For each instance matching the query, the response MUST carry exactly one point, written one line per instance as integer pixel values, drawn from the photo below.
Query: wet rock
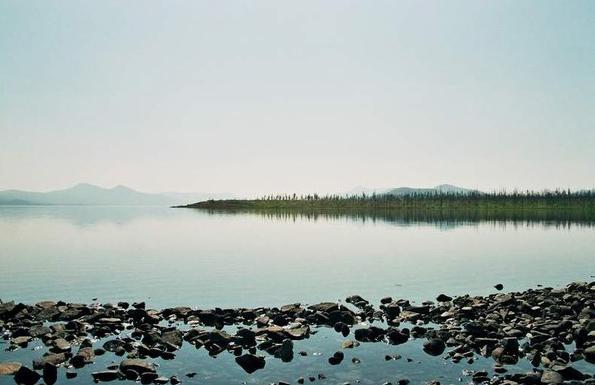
(499, 286)
(250, 363)
(285, 352)
(551, 377)
(173, 337)
(9, 368)
(83, 357)
(336, 359)
(61, 345)
(26, 376)
(569, 373)
(50, 374)
(443, 298)
(589, 354)
(434, 347)
(70, 374)
(138, 365)
(148, 377)
(105, 375)
(174, 380)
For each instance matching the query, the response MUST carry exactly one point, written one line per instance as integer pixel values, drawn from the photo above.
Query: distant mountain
(443, 188)
(88, 194)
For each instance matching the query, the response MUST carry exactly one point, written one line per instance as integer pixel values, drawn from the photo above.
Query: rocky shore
(551, 328)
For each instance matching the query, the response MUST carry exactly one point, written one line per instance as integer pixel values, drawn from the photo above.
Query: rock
(250, 363)
(26, 376)
(52, 358)
(83, 357)
(71, 374)
(148, 377)
(285, 352)
(138, 365)
(569, 373)
(105, 375)
(349, 344)
(589, 354)
(9, 368)
(173, 337)
(21, 341)
(443, 298)
(551, 377)
(499, 286)
(336, 359)
(50, 374)
(174, 380)
(61, 345)
(386, 300)
(434, 347)
(161, 380)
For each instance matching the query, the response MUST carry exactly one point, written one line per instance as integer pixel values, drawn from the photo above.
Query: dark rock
(139, 366)
(250, 363)
(443, 298)
(83, 357)
(569, 373)
(26, 376)
(434, 347)
(337, 358)
(174, 380)
(105, 375)
(50, 374)
(499, 286)
(70, 374)
(148, 377)
(285, 352)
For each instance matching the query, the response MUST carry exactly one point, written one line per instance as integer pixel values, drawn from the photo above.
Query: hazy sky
(304, 96)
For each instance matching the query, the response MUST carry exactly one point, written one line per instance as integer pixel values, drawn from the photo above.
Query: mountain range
(443, 188)
(88, 194)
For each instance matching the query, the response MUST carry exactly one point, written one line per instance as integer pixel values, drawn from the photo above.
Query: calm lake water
(174, 257)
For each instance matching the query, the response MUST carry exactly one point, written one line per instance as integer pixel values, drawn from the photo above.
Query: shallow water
(174, 257)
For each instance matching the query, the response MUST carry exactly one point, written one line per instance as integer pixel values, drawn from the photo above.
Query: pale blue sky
(276, 96)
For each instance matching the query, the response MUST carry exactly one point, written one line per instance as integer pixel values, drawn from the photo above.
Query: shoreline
(549, 328)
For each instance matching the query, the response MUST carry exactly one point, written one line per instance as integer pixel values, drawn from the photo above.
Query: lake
(170, 257)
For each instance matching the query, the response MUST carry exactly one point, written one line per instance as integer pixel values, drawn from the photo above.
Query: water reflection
(85, 216)
(443, 219)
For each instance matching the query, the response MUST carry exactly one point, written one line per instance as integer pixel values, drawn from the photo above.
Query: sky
(256, 97)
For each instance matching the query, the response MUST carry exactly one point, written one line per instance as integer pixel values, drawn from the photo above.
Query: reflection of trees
(441, 218)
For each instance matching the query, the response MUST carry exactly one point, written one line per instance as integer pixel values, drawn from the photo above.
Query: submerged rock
(250, 363)
(434, 347)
